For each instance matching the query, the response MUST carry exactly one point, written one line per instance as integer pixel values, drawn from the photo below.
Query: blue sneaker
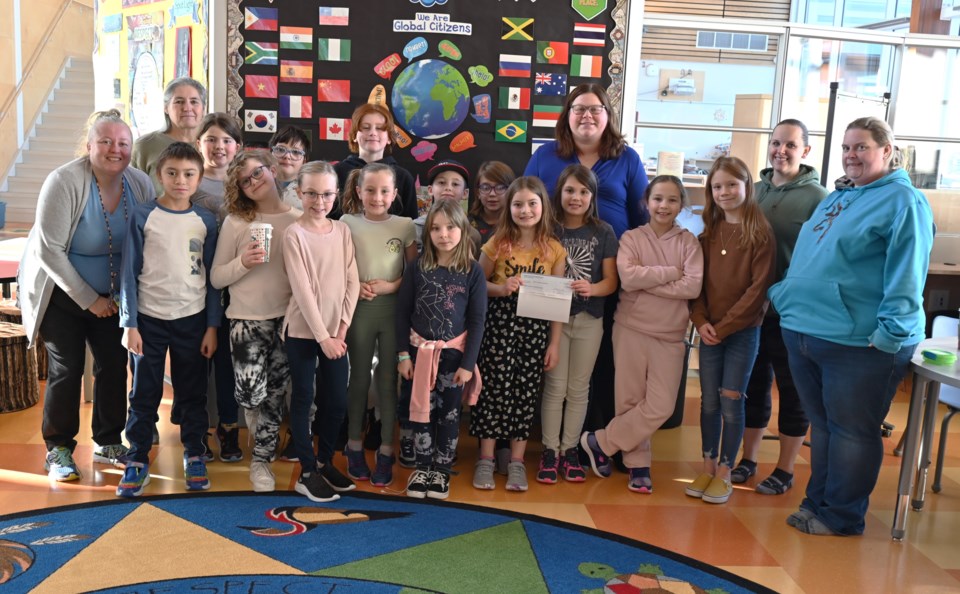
(599, 462)
(136, 476)
(357, 468)
(60, 466)
(383, 474)
(195, 473)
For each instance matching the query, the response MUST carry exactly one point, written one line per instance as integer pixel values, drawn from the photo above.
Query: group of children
(323, 291)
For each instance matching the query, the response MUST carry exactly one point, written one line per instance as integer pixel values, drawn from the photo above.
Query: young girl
(384, 243)
(259, 295)
(739, 253)
(661, 268)
(514, 346)
(218, 142)
(319, 257)
(493, 179)
(440, 312)
(591, 263)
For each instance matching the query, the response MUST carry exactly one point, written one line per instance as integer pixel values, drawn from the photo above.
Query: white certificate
(544, 297)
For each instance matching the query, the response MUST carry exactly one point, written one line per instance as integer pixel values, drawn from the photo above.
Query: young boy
(291, 146)
(449, 180)
(166, 302)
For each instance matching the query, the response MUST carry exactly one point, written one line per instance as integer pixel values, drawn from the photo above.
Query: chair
(945, 326)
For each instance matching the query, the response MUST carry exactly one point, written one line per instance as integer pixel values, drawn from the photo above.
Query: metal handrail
(25, 75)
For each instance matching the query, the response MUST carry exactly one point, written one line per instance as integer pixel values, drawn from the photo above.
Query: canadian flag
(334, 128)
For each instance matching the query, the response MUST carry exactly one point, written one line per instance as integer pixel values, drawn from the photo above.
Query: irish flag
(333, 50)
(300, 38)
(586, 66)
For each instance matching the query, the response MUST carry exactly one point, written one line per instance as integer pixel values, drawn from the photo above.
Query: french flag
(296, 106)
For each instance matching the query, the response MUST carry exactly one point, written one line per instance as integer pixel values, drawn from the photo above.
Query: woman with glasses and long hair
(370, 141)
(489, 200)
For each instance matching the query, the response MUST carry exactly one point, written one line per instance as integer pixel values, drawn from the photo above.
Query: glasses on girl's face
(254, 175)
(492, 189)
(327, 196)
(595, 110)
(280, 151)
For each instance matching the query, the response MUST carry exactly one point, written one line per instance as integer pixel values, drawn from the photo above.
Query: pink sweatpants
(645, 388)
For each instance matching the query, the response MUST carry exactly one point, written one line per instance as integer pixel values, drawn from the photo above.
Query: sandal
(773, 486)
(742, 473)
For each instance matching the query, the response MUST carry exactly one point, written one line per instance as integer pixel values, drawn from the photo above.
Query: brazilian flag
(511, 131)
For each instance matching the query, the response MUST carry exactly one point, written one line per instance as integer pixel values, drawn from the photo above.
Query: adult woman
(370, 140)
(850, 309)
(587, 133)
(184, 103)
(788, 192)
(69, 284)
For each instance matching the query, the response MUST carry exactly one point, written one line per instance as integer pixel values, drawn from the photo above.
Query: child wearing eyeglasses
(493, 179)
(259, 294)
(291, 146)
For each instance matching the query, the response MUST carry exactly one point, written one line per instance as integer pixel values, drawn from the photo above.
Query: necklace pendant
(723, 252)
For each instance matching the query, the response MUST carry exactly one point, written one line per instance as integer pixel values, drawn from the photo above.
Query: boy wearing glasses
(167, 303)
(291, 146)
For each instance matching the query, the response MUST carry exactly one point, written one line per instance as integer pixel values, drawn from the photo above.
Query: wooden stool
(19, 388)
(11, 313)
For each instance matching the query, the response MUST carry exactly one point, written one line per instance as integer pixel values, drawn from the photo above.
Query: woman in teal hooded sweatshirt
(851, 312)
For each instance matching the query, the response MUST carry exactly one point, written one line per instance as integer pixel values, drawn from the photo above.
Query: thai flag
(590, 35)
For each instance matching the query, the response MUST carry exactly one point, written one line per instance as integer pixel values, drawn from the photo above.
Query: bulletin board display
(139, 47)
(471, 80)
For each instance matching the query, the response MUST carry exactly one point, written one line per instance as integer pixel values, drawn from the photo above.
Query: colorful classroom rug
(232, 543)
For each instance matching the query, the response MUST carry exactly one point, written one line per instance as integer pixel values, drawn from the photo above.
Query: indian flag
(333, 50)
(300, 38)
(586, 66)
(546, 116)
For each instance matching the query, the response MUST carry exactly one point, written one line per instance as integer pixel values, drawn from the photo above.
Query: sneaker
(383, 473)
(699, 485)
(408, 456)
(547, 473)
(599, 462)
(439, 487)
(570, 467)
(229, 440)
(136, 476)
(419, 483)
(640, 483)
(207, 452)
(516, 477)
(315, 488)
(195, 473)
(60, 466)
(262, 477)
(502, 457)
(335, 478)
(111, 454)
(357, 468)
(718, 491)
(483, 475)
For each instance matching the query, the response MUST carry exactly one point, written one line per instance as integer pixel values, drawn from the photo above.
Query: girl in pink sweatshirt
(661, 268)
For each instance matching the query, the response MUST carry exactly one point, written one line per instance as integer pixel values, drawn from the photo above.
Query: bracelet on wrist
(402, 358)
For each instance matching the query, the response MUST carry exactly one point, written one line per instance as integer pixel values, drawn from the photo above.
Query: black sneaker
(289, 453)
(229, 440)
(407, 457)
(315, 488)
(419, 483)
(207, 452)
(335, 478)
(439, 487)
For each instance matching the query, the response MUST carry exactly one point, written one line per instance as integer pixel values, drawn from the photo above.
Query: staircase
(53, 140)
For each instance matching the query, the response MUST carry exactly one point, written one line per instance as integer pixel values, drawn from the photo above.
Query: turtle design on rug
(648, 579)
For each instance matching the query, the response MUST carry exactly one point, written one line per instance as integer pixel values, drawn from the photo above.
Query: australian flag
(550, 83)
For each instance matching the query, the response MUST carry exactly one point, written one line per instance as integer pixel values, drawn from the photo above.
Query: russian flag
(296, 106)
(513, 65)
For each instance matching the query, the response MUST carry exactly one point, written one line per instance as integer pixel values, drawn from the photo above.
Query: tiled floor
(747, 536)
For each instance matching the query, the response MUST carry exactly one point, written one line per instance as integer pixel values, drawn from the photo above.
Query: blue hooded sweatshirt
(860, 263)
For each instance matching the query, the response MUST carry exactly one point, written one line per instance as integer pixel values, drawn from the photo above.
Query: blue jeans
(846, 392)
(309, 368)
(725, 366)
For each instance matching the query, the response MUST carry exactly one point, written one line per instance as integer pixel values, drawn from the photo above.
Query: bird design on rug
(17, 557)
(302, 519)
(649, 578)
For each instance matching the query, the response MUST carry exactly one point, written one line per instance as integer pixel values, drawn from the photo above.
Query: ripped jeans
(725, 366)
